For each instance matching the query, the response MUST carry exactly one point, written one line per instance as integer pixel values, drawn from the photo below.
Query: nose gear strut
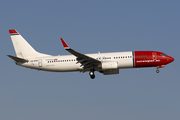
(157, 71)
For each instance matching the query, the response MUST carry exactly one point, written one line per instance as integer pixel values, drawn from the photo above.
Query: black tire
(92, 76)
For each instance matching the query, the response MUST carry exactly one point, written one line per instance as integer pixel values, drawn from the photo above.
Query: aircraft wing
(86, 61)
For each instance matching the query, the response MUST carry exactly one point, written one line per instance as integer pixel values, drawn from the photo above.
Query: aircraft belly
(28, 65)
(68, 67)
(61, 67)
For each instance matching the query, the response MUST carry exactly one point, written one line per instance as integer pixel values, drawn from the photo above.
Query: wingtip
(64, 44)
(13, 31)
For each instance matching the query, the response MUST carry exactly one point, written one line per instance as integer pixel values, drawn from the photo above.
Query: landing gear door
(40, 62)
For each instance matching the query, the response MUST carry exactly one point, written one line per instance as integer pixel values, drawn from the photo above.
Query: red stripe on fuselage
(150, 59)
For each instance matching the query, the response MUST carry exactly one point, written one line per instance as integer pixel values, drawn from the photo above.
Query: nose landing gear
(161, 66)
(157, 71)
(91, 73)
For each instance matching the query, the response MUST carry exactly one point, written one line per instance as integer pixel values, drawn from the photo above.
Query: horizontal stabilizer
(17, 59)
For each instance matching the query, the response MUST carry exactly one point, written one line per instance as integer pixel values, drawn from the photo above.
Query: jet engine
(109, 65)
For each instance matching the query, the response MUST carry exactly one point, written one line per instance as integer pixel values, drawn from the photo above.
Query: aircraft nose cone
(171, 59)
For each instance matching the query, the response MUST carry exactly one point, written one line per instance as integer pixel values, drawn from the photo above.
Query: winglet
(13, 32)
(64, 44)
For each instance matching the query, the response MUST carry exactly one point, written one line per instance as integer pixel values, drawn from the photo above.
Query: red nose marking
(171, 59)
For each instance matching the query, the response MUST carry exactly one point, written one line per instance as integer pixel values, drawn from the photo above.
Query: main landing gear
(91, 73)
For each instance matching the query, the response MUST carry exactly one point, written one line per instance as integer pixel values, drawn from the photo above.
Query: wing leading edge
(86, 61)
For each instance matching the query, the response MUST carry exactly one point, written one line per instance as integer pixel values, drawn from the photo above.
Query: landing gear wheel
(91, 73)
(92, 76)
(157, 71)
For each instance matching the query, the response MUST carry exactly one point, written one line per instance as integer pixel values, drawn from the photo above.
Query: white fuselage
(68, 63)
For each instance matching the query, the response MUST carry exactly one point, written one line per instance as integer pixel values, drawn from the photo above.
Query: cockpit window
(163, 55)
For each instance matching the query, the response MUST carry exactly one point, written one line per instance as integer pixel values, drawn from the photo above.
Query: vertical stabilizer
(22, 48)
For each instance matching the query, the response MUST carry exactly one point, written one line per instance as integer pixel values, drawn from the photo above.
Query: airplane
(106, 63)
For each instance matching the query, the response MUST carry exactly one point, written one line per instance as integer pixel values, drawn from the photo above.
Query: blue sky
(89, 27)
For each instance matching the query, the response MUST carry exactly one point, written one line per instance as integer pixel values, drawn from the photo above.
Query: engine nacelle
(109, 65)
